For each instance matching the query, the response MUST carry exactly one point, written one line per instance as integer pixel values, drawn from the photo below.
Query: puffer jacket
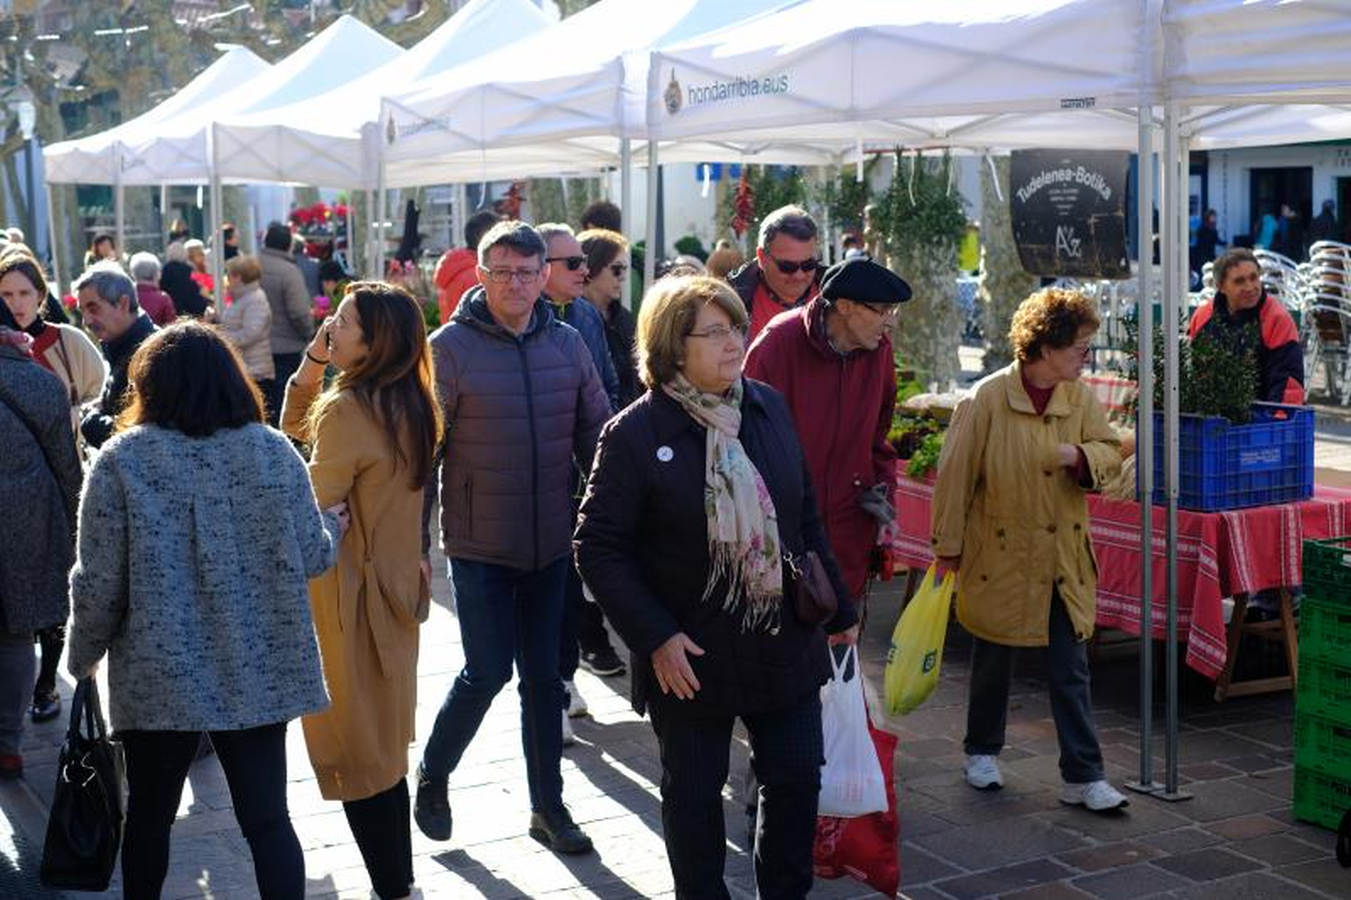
(584, 317)
(519, 410)
(290, 300)
(39, 490)
(1014, 515)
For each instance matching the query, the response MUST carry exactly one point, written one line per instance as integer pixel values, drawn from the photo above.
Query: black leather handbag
(84, 831)
(813, 596)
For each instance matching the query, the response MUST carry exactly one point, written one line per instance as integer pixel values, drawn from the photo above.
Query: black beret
(864, 281)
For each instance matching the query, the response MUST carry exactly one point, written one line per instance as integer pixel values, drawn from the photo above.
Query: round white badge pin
(665, 454)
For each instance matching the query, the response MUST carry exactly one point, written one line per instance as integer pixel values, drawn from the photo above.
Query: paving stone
(1209, 864)
(1321, 875)
(1241, 828)
(1056, 890)
(1254, 762)
(1144, 816)
(1279, 783)
(991, 844)
(921, 867)
(1251, 886)
(1129, 882)
(1182, 840)
(1109, 856)
(1206, 771)
(996, 881)
(1213, 800)
(1278, 849)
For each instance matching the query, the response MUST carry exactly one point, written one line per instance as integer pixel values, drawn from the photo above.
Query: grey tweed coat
(39, 489)
(192, 574)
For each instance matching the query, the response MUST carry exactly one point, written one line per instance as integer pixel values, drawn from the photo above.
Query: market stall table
(1225, 554)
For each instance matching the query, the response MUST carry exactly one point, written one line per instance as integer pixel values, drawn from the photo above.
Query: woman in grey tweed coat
(198, 532)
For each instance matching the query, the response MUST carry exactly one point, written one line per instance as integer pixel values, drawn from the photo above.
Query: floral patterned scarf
(743, 530)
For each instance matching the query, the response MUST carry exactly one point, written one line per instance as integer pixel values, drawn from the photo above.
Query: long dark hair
(393, 384)
(189, 378)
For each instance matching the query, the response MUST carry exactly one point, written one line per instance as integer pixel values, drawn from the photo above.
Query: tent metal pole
(217, 219)
(650, 237)
(1173, 243)
(119, 208)
(55, 250)
(369, 257)
(164, 212)
(626, 206)
(350, 251)
(381, 202)
(1144, 443)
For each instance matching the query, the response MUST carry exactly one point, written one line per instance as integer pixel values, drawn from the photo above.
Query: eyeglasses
(890, 311)
(572, 262)
(502, 276)
(618, 270)
(720, 332)
(788, 267)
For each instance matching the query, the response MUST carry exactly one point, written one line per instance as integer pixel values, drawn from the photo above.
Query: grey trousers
(18, 670)
(1071, 702)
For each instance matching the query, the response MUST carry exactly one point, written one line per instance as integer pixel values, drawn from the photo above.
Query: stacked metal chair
(1325, 316)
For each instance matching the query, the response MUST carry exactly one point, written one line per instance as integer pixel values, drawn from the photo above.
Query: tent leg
(366, 263)
(164, 219)
(1173, 242)
(55, 249)
(1144, 448)
(348, 252)
(217, 219)
(650, 254)
(119, 209)
(381, 202)
(625, 206)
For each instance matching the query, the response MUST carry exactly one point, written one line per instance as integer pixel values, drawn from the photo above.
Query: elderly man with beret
(832, 361)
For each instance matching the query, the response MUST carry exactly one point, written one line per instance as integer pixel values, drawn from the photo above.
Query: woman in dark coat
(698, 507)
(40, 485)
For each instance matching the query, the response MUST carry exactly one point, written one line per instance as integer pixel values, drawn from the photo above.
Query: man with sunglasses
(563, 290)
(786, 272)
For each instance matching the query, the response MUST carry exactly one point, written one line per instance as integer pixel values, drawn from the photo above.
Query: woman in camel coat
(372, 436)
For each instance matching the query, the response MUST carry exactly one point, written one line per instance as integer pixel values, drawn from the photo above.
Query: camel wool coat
(1014, 514)
(368, 607)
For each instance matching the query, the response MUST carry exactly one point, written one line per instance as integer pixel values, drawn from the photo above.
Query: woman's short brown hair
(21, 261)
(602, 247)
(244, 269)
(189, 378)
(1051, 317)
(667, 317)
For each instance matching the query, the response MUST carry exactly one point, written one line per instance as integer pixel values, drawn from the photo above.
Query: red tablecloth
(1218, 555)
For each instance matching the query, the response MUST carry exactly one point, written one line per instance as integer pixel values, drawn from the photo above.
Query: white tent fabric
(319, 140)
(93, 159)
(816, 62)
(584, 77)
(181, 151)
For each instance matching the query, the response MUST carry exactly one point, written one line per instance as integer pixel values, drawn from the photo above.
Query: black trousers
(381, 827)
(52, 641)
(786, 756)
(254, 760)
(1071, 701)
(583, 627)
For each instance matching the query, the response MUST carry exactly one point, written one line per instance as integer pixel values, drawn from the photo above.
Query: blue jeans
(506, 614)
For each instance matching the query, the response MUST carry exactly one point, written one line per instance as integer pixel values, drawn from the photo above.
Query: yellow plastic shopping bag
(916, 653)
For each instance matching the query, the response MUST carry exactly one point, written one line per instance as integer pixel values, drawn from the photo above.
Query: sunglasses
(788, 267)
(572, 262)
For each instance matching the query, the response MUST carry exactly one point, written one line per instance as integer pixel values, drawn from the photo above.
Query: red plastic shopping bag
(864, 847)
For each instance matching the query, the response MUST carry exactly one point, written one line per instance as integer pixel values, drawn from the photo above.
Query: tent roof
(180, 150)
(319, 140)
(93, 158)
(585, 76)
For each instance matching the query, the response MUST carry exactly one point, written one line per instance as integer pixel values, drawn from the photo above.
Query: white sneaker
(576, 703)
(982, 772)
(568, 737)
(1098, 796)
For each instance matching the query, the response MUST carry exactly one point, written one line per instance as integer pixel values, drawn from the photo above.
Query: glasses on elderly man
(502, 276)
(572, 262)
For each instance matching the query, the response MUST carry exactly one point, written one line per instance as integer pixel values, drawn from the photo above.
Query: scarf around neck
(743, 529)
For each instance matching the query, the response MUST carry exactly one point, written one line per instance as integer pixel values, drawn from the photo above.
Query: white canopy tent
(1040, 73)
(319, 139)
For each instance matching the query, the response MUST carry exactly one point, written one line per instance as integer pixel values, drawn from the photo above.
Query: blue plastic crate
(1227, 466)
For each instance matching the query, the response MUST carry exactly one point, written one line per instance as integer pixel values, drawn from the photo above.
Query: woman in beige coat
(372, 436)
(1009, 516)
(247, 321)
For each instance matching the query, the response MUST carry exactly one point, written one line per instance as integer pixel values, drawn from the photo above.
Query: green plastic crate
(1327, 569)
(1323, 688)
(1325, 630)
(1324, 744)
(1319, 798)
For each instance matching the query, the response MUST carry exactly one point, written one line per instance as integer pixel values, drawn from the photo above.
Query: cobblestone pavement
(1236, 839)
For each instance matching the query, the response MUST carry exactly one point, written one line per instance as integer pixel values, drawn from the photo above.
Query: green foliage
(845, 197)
(773, 186)
(925, 459)
(1217, 374)
(920, 212)
(690, 245)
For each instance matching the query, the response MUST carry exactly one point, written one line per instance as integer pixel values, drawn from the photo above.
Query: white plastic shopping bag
(851, 779)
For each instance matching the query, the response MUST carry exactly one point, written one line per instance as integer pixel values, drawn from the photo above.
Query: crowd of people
(710, 482)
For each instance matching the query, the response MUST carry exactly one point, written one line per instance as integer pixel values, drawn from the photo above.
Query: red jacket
(1280, 358)
(456, 272)
(842, 406)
